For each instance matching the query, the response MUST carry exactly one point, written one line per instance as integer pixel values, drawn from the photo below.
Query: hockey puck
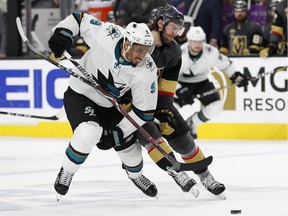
(235, 211)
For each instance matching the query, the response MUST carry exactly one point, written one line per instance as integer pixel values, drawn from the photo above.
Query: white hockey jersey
(103, 58)
(197, 69)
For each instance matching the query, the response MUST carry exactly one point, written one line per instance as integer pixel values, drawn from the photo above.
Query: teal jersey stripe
(134, 169)
(74, 157)
(144, 115)
(78, 17)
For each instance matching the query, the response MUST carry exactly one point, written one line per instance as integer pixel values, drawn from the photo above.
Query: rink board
(256, 112)
(205, 131)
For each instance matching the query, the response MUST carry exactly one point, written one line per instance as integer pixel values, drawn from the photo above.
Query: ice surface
(254, 172)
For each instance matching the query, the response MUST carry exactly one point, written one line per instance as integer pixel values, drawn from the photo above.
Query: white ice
(254, 172)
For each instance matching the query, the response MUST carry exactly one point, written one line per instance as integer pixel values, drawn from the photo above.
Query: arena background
(257, 112)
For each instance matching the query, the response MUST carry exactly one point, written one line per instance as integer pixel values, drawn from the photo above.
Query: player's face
(170, 32)
(195, 47)
(240, 16)
(136, 53)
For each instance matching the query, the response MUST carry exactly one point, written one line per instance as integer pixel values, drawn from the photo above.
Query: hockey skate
(62, 182)
(145, 185)
(212, 185)
(184, 181)
(192, 127)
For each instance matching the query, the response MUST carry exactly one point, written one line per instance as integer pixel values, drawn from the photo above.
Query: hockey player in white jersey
(197, 58)
(119, 59)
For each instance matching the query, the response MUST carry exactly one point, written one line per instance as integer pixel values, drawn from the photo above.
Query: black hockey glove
(167, 121)
(60, 41)
(184, 96)
(239, 79)
(268, 51)
(111, 138)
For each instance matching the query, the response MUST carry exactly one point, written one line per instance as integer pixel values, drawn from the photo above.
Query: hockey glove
(60, 41)
(111, 138)
(167, 121)
(239, 79)
(268, 51)
(126, 101)
(184, 97)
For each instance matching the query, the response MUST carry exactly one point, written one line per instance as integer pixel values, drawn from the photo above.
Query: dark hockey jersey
(242, 40)
(168, 61)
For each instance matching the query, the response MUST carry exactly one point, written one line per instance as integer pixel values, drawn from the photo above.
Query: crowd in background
(236, 27)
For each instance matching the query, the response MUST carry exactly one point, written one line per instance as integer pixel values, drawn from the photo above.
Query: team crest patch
(149, 64)
(113, 31)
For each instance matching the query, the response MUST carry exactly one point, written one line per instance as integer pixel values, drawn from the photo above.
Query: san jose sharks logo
(188, 75)
(150, 64)
(109, 85)
(113, 31)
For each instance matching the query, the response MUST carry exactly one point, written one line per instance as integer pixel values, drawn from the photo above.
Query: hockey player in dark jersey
(167, 24)
(278, 34)
(242, 37)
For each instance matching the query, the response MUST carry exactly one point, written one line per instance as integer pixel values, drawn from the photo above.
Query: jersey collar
(119, 58)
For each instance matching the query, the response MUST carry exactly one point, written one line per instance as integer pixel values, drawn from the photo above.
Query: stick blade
(196, 165)
(20, 29)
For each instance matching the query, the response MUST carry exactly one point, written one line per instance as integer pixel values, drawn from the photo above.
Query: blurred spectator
(3, 5)
(258, 11)
(241, 37)
(139, 11)
(188, 22)
(3, 34)
(179, 4)
(278, 34)
(228, 12)
(159, 3)
(271, 16)
(111, 17)
(44, 3)
(207, 14)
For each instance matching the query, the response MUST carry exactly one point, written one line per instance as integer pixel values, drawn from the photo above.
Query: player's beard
(241, 19)
(165, 38)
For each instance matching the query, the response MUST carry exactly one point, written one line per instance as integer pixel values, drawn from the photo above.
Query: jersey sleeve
(71, 23)
(224, 48)
(167, 82)
(256, 38)
(279, 26)
(223, 62)
(84, 25)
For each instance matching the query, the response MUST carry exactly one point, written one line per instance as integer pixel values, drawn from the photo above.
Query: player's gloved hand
(60, 41)
(268, 51)
(111, 138)
(167, 121)
(184, 96)
(239, 79)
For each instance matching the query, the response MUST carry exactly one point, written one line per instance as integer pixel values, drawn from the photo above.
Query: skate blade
(222, 196)
(58, 197)
(194, 191)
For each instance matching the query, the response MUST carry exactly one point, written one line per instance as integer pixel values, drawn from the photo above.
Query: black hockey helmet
(169, 14)
(240, 5)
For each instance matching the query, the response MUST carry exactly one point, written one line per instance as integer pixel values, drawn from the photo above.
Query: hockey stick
(176, 164)
(281, 68)
(55, 117)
